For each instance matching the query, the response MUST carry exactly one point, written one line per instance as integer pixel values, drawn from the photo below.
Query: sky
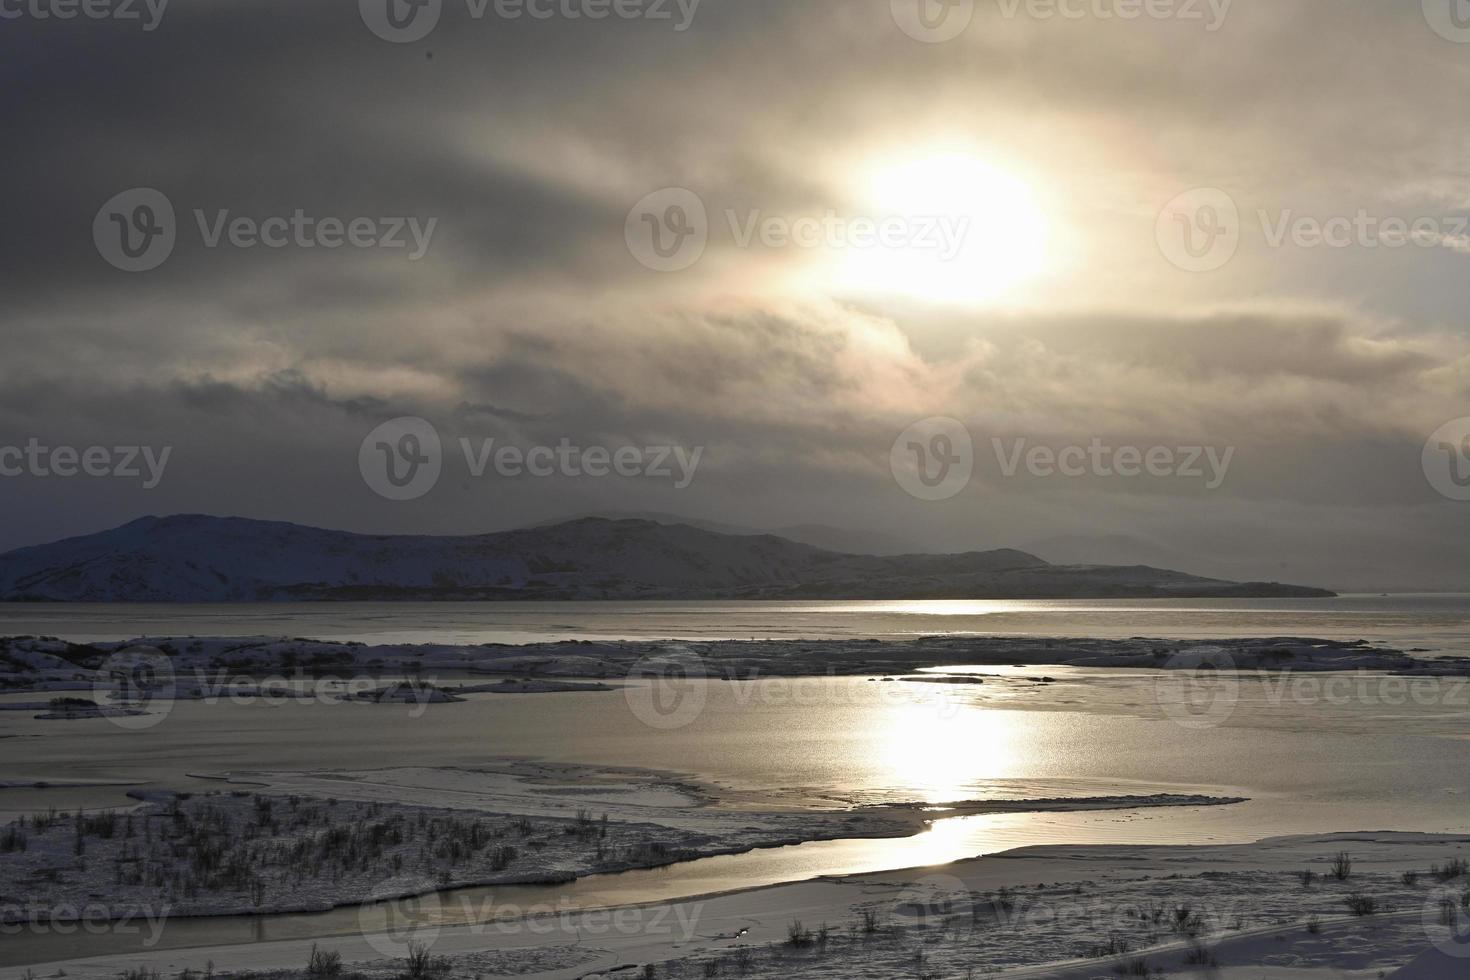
(1174, 283)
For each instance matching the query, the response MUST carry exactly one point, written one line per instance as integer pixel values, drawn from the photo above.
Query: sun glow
(941, 745)
(973, 232)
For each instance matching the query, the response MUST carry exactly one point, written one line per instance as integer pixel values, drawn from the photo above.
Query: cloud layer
(529, 319)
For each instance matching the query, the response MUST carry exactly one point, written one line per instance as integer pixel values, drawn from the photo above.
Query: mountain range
(192, 558)
(849, 540)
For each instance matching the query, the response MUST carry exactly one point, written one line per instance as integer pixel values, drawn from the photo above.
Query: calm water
(1354, 758)
(1370, 759)
(1437, 622)
(1367, 755)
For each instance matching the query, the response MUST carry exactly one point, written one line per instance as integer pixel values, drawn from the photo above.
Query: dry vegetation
(247, 852)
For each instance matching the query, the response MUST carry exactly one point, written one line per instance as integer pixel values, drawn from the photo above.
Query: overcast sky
(1032, 281)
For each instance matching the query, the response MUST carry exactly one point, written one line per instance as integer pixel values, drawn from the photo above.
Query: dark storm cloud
(528, 319)
(263, 108)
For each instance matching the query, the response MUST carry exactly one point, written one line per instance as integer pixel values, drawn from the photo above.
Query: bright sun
(970, 231)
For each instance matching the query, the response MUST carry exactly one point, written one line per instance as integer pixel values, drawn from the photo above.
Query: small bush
(1200, 956)
(798, 935)
(1115, 946)
(323, 964)
(422, 964)
(1359, 904)
(12, 839)
(1454, 869)
(1187, 922)
(1342, 866)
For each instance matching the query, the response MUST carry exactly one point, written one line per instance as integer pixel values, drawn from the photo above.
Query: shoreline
(705, 827)
(1099, 880)
(699, 818)
(652, 794)
(198, 668)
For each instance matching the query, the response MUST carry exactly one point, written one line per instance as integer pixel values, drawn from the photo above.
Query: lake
(1338, 764)
(1312, 757)
(1439, 622)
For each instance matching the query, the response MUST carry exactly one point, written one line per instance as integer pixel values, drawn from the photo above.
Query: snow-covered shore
(192, 667)
(1243, 912)
(311, 841)
(1076, 913)
(1273, 910)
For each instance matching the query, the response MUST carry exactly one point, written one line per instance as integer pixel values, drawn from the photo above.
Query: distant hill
(222, 559)
(829, 537)
(848, 540)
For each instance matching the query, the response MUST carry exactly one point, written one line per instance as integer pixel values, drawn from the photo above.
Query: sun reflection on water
(942, 746)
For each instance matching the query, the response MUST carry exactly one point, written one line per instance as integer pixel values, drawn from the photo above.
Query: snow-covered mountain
(215, 559)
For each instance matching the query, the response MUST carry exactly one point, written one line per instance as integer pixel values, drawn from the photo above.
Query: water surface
(1364, 754)
(1439, 622)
